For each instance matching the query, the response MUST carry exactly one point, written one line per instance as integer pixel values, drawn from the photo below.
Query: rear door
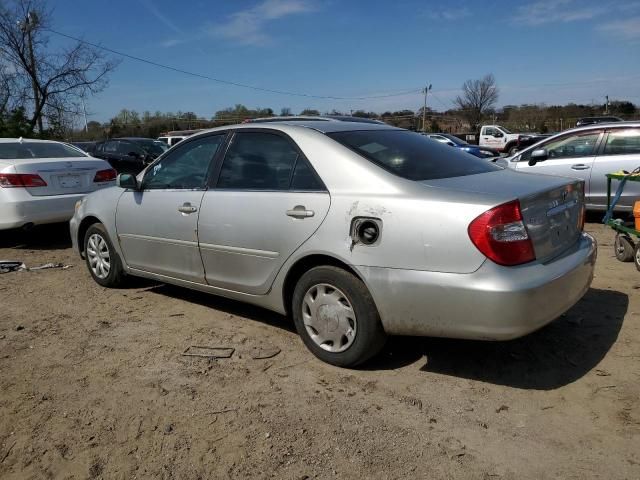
(571, 155)
(620, 151)
(267, 201)
(158, 226)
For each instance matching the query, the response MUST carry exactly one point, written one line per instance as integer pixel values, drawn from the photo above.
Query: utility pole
(424, 109)
(27, 26)
(84, 110)
(606, 105)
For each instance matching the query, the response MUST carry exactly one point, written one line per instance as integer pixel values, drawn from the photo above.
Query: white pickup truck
(501, 139)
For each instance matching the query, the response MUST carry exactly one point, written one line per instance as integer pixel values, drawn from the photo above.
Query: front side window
(127, 148)
(411, 155)
(111, 147)
(578, 145)
(490, 131)
(184, 168)
(623, 142)
(258, 161)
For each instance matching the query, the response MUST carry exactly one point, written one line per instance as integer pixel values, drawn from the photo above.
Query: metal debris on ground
(7, 266)
(208, 352)
(264, 352)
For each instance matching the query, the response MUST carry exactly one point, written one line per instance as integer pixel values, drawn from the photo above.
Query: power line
(229, 82)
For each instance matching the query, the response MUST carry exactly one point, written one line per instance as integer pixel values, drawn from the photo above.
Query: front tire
(623, 247)
(336, 317)
(102, 260)
(636, 256)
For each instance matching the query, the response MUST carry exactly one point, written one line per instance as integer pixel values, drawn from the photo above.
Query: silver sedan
(357, 231)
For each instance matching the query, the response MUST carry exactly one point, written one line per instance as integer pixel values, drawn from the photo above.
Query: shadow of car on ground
(554, 356)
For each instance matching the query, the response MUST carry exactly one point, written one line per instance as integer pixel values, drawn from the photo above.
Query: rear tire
(336, 317)
(623, 248)
(512, 151)
(102, 260)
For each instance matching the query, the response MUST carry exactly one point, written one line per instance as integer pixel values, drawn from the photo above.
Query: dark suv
(129, 154)
(593, 120)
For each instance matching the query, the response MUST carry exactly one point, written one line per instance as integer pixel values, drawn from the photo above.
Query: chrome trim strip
(171, 241)
(239, 250)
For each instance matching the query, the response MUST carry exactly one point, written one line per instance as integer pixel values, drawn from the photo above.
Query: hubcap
(98, 255)
(619, 246)
(329, 318)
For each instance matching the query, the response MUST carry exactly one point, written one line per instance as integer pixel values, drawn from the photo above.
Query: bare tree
(50, 82)
(478, 96)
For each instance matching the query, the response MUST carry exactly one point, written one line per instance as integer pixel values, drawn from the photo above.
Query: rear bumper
(493, 303)
(19, 208)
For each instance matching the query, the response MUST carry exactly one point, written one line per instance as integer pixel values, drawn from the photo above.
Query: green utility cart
(627, 241)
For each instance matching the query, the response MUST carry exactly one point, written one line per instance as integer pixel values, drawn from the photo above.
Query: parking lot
(94, 384)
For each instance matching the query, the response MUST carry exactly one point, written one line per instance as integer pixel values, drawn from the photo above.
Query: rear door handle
(580, 166)
(187, 208)
(300, 211)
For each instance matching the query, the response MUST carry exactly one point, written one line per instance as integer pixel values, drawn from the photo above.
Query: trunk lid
(552, 207)
(63, 175)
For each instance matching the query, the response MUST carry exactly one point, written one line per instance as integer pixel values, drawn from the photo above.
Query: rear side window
(623, 142)
(26, 150)
(258, 161)
(411, 155)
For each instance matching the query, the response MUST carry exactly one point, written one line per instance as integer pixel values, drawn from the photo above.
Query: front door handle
(300, 211)
(187, 208)
(580, 166)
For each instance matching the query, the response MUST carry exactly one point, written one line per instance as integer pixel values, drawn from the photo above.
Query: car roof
(30, 140)
(597, 126)
(318, 125)
(321, 118)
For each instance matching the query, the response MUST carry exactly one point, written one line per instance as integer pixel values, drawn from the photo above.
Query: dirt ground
(93, 384)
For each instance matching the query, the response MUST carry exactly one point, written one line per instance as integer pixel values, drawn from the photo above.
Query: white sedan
(41, 180)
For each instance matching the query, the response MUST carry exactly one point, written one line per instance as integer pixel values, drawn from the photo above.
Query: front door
(621, 151)
(267, 202)
(569, 156)
(158, 226)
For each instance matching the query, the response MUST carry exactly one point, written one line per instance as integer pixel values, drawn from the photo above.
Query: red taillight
(12, 180)
(501, 235)
(107, 175)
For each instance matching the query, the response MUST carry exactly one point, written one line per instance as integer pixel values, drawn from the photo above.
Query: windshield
(411, 155)
(26, 150)
(505, 130)
(152, 147)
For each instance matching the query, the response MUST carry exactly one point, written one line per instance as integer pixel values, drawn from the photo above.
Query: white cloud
(628, 29)
(449, 14)
(552, 11)
(246, 27)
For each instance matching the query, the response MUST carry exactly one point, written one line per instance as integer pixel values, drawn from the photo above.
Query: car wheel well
(304, 265)
(82, 230)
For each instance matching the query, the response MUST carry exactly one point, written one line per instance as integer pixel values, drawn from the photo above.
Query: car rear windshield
(411, 155)
(153, 147)
(26, 150)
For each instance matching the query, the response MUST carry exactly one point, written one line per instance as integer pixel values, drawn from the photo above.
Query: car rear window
(26, 150)
(411, 155)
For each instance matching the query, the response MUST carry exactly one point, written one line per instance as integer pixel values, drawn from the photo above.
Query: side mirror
(498, 135)
(127, 181)
(538, 155)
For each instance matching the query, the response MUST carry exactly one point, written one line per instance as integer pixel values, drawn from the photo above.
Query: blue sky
(546, 51)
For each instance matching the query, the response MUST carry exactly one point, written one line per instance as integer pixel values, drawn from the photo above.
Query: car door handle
(300, 211)
(187, 208)
(580, 166)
